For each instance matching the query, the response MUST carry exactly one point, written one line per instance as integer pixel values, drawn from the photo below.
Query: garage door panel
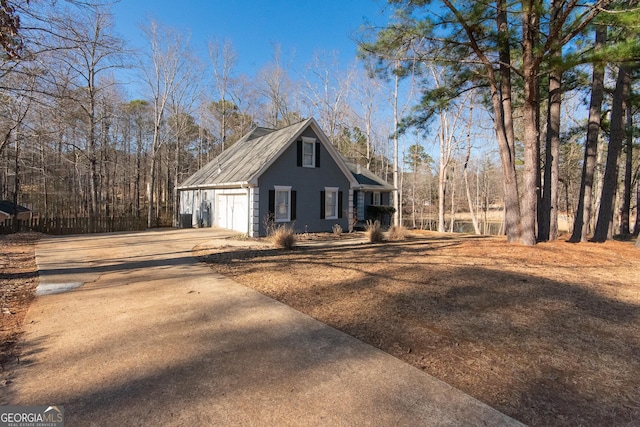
(233, 212)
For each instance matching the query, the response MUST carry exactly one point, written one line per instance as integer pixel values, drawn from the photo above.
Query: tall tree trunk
(625, 217)
(152, 173)
(585, 199)
(136, 190)
(548, 205)
(453, 200)
(442, 189)
(93, 163)
(413, 188)
(396, 195)
(548, 227)
(636, 228)
(16, 181)
(610, 181)
(176, 182)
(531, 141)
(45, 181)
(503, 123)
(443, 169)
(472, 210)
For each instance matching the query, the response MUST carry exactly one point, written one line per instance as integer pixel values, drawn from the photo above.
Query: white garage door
(232, 212)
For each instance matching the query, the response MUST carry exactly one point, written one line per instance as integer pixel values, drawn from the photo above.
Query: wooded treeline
(522, 60)
(74, 144)
(432, 94)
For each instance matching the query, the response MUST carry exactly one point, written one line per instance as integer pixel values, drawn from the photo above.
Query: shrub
(269, 224)
(284, 237)
(373, 231)
(397, 232)
(381, 212)
(337, 229)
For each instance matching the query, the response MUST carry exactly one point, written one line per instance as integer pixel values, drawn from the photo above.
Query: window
(282, 212)
(308, 152)
(331, 203)
(282, 204)
(376, 199)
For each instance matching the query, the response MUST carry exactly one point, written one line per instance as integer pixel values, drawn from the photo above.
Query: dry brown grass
(397, 232)
(548, 334)
(373, 231)
(284, 237)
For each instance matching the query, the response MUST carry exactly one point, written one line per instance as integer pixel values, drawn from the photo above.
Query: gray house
(291, 175)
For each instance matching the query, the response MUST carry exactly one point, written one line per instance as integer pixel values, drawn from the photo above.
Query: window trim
(327, 191)
(282, 189)
(313, 142)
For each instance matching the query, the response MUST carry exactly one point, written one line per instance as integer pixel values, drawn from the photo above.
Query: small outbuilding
(8, 209)
(292, 175)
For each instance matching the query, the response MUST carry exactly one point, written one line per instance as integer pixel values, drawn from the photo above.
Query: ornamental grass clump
(397, 232)
(373, 231)
(284, 237)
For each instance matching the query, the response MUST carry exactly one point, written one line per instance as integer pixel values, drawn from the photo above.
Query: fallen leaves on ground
(548, 334)
(18, 281)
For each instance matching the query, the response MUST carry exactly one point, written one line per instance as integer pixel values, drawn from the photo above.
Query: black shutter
(272, 204)
(339, 204)
(318, 154)
(299, 153)
(293, 206)
(322, 195)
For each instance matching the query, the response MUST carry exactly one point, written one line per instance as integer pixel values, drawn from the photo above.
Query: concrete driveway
(152, 337)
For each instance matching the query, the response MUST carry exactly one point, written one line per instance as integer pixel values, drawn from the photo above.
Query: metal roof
(8, 207)
(367, 180)
(243, 162)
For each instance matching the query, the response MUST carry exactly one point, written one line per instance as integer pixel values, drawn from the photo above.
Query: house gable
(309, 129)
(308, 184)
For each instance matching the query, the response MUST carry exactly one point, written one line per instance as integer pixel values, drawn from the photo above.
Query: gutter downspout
(249, 209)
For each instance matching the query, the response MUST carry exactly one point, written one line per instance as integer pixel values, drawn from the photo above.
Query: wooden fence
(62, 226)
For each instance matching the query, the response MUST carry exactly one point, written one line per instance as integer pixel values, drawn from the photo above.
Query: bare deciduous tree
(277, 89)
(223, 59)
(327, 92)
(88, 50)
(165, 70)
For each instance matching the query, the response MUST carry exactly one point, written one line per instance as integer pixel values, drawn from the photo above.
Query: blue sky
(253, 27)
(300, 27)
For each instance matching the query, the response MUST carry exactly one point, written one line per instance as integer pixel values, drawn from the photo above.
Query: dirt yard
(549, 335)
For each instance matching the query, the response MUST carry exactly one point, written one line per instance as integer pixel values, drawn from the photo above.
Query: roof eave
(240, 184)
(373, 188)
(337, 158)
